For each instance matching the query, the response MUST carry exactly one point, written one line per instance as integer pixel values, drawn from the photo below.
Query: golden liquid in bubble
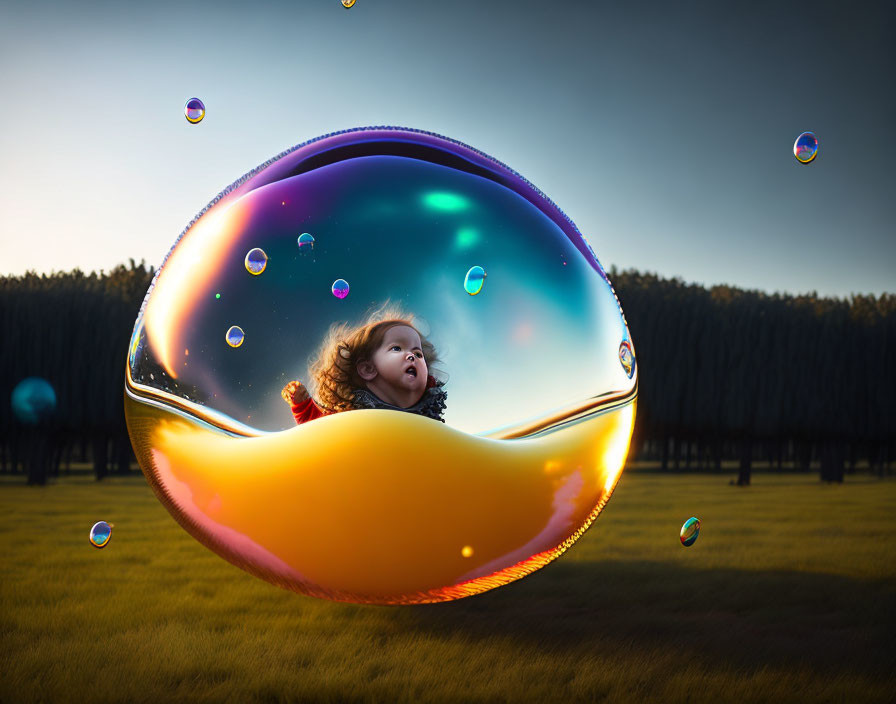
(381, 506)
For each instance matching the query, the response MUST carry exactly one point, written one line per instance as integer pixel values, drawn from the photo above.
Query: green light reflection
(441, 200)
(466, 237)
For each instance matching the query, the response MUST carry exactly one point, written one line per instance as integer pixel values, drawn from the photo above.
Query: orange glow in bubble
(312, 510)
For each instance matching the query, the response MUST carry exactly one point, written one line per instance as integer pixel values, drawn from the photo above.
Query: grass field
(788, 595)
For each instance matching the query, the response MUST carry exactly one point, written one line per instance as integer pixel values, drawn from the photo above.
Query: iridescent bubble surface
(340, 288)
(256, 261)
(194, 110)
(33, 400)
(627, 358)
(526, 458)
(235, 336)
(100, 534)
(474, 280)
(805, 148)
(306, 242)
(689, 532)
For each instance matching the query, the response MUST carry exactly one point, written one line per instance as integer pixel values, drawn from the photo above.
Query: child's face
(397, 372)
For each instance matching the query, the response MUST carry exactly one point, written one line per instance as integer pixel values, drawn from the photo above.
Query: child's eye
(395, 347)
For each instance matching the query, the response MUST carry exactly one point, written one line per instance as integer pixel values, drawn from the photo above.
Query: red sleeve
(306, 410)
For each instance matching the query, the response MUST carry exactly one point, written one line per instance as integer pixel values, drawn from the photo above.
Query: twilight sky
(664, 130)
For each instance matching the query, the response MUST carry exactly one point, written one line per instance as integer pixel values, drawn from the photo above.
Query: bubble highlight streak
(191, 264)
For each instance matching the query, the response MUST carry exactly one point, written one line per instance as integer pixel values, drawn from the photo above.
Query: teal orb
(33, 400)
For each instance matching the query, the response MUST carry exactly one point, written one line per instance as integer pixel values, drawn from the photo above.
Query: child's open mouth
(411, 370)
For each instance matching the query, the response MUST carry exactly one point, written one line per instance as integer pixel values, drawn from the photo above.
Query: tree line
(724, 373)
(744, 375)
(71, 329)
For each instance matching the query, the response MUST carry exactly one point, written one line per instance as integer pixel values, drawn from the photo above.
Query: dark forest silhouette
(727, 373)
(724, 373)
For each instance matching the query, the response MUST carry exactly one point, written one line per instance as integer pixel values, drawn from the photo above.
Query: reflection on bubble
(627, 358)
(340, 288)
(33, 400)
(805, 148)
(516, 472)
(306, 242)
(235, 336)
(689, 532)
(474, 280)
(256, 261)
(100, 534)
(194, 110)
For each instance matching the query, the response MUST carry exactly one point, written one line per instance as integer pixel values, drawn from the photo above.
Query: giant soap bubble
(377, 505)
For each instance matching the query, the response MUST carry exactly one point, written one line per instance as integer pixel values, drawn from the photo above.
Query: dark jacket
(431, 404)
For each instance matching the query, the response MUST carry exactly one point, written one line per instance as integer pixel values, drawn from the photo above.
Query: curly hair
(334, 372)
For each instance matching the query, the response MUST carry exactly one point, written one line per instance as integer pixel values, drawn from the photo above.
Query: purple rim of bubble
(288, 161)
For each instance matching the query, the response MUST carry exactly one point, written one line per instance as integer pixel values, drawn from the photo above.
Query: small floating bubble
(235, 336)
(100, 534)
(474, 280)
(256, 261)
(627, 358)
(217, 295)
(194, 110)
(348, 3)
(340, 288)
(689, 531)
(805, 148)
(467, 551)
(306, 242)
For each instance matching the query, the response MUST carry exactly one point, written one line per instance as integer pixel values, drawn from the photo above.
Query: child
(382, 364)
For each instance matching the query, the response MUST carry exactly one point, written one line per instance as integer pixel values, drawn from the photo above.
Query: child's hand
(295, 392)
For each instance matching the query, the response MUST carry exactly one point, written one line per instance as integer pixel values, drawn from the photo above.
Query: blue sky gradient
(665, 133)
